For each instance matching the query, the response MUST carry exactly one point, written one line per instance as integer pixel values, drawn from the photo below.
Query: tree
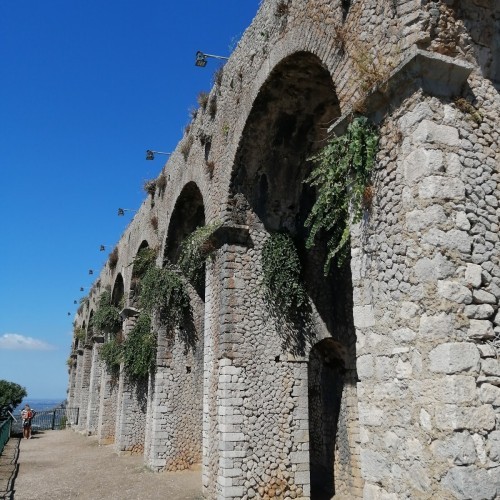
(11, 395)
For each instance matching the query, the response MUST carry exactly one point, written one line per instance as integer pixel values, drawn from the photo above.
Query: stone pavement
(64, 465)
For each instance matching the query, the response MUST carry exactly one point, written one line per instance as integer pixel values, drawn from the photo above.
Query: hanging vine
(164, 295)
(282, 274)
(194, 251)
(139, 348)
(111, 353)
(341, 176)
(106, 318)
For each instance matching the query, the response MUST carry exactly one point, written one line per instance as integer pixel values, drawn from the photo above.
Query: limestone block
(484, 297)
(430, 132)
(470, 482)
(419, 478)
(473, 274)
(403, 335)
(374, 466)
(374, 492)
(436, 268)
(482, 311)
(460, 449)
(422, 162)
(452, 240)
(454, 291)
(419, 113)
(425, 420)
(493, 446)
(480, 329)
(454, 357)
(462, 222)
(417, 220)
(452, 417)
(370, 415)
(363, 316)
(442, 188)
(365, 367)
(491, 366)
(408, 310)
(436, 327)
(490, 394)
(455, 389)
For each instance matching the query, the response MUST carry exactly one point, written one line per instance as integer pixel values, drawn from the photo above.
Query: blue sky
(86, 87)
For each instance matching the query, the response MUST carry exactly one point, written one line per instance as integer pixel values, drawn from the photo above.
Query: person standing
(27, 416)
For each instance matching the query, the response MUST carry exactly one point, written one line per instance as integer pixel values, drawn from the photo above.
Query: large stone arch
(177, 407)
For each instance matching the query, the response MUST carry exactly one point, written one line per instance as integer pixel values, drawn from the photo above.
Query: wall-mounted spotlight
(75, 302)
(91, 271)
(69, 314)
(150, 154)
(201, 58)
(82, 289)
(121, 211)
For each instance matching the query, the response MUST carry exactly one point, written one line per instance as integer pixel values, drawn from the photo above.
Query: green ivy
(194, 251)
(282, 275)
(164, 294)
(139, 348)
(112, 354)
(80, 334)
(106, 318)
(341, 174)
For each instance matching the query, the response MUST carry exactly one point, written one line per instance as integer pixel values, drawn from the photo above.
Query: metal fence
(4, 433)
(58, 418)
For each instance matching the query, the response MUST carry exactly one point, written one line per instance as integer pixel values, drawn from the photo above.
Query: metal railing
(4, 433)
(55, 419)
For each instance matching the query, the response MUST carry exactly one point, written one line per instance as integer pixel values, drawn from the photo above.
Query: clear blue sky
(86, 86)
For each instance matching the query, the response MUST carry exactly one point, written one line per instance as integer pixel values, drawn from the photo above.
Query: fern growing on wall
(341, 176)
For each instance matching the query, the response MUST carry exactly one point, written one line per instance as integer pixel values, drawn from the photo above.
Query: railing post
(53, 419)
(77, 415)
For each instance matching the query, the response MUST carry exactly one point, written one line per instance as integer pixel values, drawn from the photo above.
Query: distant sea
(40, 404)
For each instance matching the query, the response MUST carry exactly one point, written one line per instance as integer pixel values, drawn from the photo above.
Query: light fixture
(82, 289)
(69, 314)
(75, 302)
(201, 58)
(150, 154)
(121, 211)
(91, 271)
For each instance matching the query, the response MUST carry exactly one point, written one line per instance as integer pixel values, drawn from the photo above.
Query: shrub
(161, 183)
(113, 258)
(111, 353)
(144, 259)
(186, 147)
(203, 99)
(153, 220)
(150, 186)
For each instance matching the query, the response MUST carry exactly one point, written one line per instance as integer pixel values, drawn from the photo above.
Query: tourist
(27, 416)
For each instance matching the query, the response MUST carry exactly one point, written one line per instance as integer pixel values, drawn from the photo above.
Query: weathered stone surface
(374, 466)
(442, 188)
(473, 275)
(491, 366)
(454, 358)
(480, 330)
(454, 291)
(470, 482)
(460, 449)
(436, 327)
(484, 297)
(490, 394)
(483, 311)
(422, 162)
(493, 446)
(430, 132)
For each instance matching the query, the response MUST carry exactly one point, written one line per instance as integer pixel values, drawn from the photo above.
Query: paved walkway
(64, 465)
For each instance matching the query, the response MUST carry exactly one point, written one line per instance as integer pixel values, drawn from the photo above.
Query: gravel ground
(63, 465)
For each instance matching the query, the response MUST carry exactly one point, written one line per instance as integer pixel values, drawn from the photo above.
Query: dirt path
(63, 465)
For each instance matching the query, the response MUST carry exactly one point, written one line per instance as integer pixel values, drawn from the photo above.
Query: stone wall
(392, 390)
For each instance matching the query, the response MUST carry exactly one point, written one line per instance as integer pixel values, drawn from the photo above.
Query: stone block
(482, 311)
(438, 187)
(460, 449)
(421, 219)
(455, 389)
(493, 446)
(454, 291)
(365, 366)
(432, 133)
(374, 466)
(470, 482)
(421, 163)
(491, 366)
(490, 394)
(484, 297)
(370, 415)
(473, 275)
(480, 329)
(454, 357)
(436, 327)
(363, 316)
(374, 492)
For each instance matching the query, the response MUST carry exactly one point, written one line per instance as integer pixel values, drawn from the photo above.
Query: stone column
(94, 386)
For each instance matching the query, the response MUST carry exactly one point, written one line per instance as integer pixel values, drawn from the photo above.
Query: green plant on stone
(139, 348)
(111, 353)
(282, 278)
(80, 334)
(341, 174)
(144, 259)
(106, 318)
(195, 249)
(164, 296)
